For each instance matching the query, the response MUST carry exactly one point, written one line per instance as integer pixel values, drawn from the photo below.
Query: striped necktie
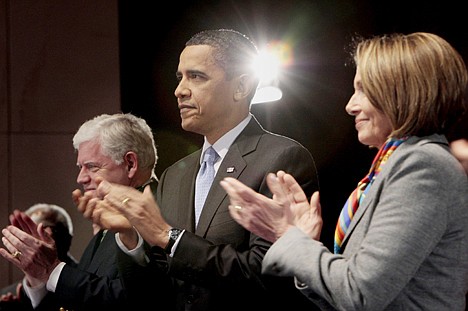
(358, 195)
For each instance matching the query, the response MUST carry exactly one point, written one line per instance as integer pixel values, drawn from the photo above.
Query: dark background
(318, 84)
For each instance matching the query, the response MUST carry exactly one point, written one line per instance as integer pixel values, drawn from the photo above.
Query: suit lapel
(187, 185)
(102, 253)
(368, 201)
(88, 253)
(357, 218)
(232, 166)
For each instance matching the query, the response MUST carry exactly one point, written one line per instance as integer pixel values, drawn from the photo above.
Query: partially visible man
(60, 226)
(215, 262)
(119, 148)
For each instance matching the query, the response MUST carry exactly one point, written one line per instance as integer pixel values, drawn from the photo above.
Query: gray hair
(50, 215)
(117, 134)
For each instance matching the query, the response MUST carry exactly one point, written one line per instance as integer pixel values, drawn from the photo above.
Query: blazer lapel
(232, 166)
(368, 201)
(102, 252)
(357, 217)
(187, 185)
(88, 253)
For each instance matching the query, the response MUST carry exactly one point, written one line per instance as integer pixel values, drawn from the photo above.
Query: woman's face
(372, 125)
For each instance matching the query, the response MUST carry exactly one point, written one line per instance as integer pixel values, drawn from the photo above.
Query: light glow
(268, 66)
(267, 94)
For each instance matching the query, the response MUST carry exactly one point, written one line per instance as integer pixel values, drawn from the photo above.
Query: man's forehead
(95, 159)
(90, 150)
(197, 54)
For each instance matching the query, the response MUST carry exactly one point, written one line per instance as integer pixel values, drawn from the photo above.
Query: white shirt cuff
(35, 294)
(138, 253)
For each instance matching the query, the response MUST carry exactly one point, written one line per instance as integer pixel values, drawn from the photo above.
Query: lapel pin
(230, 169)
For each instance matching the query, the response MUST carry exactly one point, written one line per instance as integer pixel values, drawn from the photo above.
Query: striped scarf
(358, 195)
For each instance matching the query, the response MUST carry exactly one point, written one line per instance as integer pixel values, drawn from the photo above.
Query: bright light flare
(275, 55)
(267, 66)
(282, 51)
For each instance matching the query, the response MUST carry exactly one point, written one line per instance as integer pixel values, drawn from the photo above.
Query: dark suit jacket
(24, 303)
(217, 266)
(95, 284)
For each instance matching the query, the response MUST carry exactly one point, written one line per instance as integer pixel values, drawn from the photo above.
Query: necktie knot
(210, 156)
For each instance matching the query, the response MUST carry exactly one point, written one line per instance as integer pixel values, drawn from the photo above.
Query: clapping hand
(270, 218)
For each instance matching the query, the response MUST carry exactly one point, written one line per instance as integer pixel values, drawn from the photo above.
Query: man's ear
(244, 88)
(131, 161)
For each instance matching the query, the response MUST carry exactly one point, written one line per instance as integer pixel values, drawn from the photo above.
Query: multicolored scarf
(358, 195)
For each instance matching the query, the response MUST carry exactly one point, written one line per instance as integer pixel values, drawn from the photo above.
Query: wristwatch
(173, 235)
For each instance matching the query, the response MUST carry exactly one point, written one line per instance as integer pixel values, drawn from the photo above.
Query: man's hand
(37, 255)
(140, 209)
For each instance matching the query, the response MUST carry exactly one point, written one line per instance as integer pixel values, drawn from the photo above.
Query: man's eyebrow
(191, 71)
(89, 163)
(199, 72)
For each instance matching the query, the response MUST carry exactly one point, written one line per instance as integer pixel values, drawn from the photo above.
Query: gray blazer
(406, 248)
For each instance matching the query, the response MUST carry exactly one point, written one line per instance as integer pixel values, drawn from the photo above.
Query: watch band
(173, 235)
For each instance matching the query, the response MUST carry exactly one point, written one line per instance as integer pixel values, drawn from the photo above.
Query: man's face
(204, 96)
(93, 163)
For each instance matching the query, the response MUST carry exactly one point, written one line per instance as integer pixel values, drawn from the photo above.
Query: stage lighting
(267, 67)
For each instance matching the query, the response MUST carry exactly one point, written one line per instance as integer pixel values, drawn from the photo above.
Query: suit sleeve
(232, 259)
(224, 261)
(220, 260)
(80, 289)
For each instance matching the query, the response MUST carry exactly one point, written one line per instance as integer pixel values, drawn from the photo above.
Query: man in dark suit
(59, 222)
(214, 262)
(117, 147)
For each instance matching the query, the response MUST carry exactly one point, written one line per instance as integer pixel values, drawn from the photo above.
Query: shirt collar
(221, 146)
